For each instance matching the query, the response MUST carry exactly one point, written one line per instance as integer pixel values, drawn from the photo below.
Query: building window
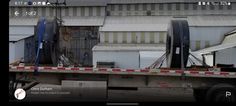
(112, 7)
(177, 6)
(203, 7)
(128, 7)
(142, 37)
(82, 11)
(133, 37)
(74, 11)
(120, 7)
(152, 37)
(194, 6)
(44, 11)
(108, 13)
(186, 6)
(161, 6)
(98, 11)
(220, 7)
(152, 6)
(51, 11)
(149, 13)
(106, 36)
(169, 6)
(229, 7)
(144, 7)
(90, 11)
(124, 37)
(212, 7)
(136, 7)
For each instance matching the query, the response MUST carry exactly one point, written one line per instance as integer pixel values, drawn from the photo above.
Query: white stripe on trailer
(201, 72)
(54, 68)
(40, 68)
(172, 71)
(27, 68)
(232, 73)
(187, 72)
(216, 73)
(68, 68)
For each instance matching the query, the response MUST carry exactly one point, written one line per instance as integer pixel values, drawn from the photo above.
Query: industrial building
(130, 33)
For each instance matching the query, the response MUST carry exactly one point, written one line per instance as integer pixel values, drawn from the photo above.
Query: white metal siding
(16, 50)
(226, 56)
(213, 35)
(122, 59)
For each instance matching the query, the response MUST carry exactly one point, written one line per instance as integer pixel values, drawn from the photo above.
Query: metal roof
(228, 42)
(135, 23)
(160, 23)
(23, 21)
(18, 37)
(68, 2)
(129, 47)
(68, 21)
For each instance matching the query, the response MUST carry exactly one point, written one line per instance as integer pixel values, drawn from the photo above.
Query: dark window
(186, 6)
(90, 11)
(220, 7)
(194, 6)
(229, 7)
(178, 6)
(82, 11)
(128, 7)
(44, 11)
(51, 11)
(144, 7)
(112, 7)
(212, 7)
(136, 7)
(108, 13)
(169, 6)
(98, 11)
(149, 13)
(120, 7)
(203, 7)
(160, 6)
(152, 6)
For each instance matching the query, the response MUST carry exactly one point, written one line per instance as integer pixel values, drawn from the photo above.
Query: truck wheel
(199, 95)
(221, 93)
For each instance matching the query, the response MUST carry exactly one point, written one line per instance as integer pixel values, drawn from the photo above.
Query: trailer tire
(218, 93)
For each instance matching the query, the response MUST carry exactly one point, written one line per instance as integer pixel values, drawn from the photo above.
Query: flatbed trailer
(208, 84)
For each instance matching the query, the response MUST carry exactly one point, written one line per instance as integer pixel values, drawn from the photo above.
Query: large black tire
(218, 93)
(178, 33)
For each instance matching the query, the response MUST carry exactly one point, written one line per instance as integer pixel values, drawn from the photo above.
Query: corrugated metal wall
(50, 11)
(133, 37)
(168, 9)
(76, 42)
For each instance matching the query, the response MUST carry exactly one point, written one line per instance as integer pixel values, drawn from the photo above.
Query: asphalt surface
(54, 93)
